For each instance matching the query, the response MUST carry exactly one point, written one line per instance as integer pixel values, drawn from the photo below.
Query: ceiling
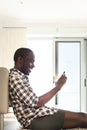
(23, 12)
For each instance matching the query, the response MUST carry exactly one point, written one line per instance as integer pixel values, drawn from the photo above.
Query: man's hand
(61, 81)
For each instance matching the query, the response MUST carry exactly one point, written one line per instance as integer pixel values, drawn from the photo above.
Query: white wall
(58, 29)
(10, 40)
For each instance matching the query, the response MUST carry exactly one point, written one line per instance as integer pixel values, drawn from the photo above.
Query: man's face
(28, 63)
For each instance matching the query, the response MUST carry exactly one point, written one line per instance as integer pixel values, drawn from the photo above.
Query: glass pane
(41, 78)
(69, 61)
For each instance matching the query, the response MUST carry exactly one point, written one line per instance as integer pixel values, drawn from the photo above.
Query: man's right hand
(61, 81)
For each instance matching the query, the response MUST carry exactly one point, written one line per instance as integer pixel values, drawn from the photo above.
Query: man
(29, 109)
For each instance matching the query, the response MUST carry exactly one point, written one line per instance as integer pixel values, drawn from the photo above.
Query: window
(52, 57)
(41, 78)
(68, 60)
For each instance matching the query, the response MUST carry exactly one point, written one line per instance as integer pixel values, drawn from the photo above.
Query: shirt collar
(14, 70)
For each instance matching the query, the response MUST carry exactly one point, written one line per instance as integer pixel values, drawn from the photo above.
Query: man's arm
(46, 97)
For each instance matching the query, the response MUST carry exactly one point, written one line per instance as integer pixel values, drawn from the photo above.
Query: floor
(12, 124)
(10, 121)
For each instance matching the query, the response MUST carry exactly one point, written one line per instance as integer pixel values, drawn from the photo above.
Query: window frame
(83, 68)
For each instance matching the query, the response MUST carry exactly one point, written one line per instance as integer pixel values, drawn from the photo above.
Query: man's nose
(33, 65)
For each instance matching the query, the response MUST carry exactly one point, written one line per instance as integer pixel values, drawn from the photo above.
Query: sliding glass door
(71, 58)
(68, 61)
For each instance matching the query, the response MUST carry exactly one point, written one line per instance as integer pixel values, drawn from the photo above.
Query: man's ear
(20, 59)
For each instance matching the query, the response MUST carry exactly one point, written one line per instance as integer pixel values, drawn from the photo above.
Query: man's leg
(75, 120)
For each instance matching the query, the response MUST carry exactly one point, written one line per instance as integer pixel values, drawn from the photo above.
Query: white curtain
(10, 40)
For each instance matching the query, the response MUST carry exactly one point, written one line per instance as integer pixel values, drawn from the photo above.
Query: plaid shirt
(24, 100)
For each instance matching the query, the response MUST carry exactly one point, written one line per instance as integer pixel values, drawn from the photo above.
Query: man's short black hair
(21, 52)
